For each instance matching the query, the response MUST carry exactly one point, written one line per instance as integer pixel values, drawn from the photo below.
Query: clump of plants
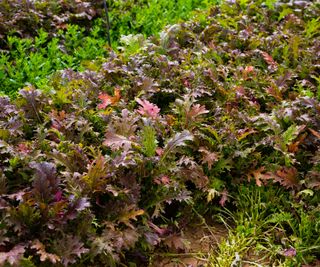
(32, 61)
(69, 34)
(148, 18)
(24, 18)
(110, 164)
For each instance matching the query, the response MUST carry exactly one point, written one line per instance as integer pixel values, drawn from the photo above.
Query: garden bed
(217, 118)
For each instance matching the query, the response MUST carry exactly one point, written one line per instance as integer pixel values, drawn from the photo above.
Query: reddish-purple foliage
(221, 105)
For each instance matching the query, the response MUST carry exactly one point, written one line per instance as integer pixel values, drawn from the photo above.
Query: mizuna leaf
(281, 81)
(291, 133)
(178, 140)
(46, 182)
(33, 102)
(57, 118)
(272, 64)
(13, 256)
(293, 147)
(275, 92)
(189, 170)
(248, 71)
(76, 206)
(149, 141)
(112, 241)
(130, 214)
(259, 176)
(69, 248)
(116, 142)
(160, 231)
(152, 238)
(224, 197)
(315, 133)
(193, 113)
(97, 172)
(287, 177)
(197, 110)
(148, 109)
(75, 160)
(41, 251)
(10, 121)
(243, 133)
(125, 124)
(162, 180)
(183, 196)
(127, 239)
(109, 100)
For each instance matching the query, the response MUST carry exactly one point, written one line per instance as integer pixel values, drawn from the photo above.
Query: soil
(199, 241)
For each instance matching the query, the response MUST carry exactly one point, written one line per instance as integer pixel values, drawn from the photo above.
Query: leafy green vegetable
(113, 160)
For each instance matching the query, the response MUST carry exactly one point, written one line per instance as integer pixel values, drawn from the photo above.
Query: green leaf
(306, 192)
(290, 134)
(149, 141)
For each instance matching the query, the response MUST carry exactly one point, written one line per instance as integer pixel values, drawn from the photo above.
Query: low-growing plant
(265, 232)
(31, 61)
(134, 17)
(114, 161)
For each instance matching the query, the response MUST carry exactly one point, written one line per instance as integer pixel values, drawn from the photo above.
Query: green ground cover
(215, 119)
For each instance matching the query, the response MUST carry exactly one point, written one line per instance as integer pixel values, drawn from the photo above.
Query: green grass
(266, 224)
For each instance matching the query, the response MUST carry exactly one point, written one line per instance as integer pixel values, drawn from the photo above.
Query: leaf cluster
(71, 33)
(112, 162)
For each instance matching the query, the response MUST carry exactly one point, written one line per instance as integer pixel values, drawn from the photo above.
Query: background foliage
(70, 33)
